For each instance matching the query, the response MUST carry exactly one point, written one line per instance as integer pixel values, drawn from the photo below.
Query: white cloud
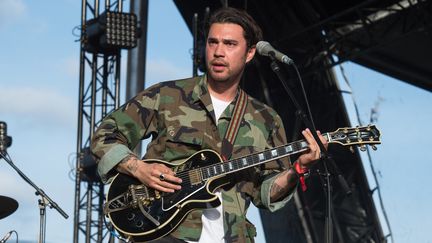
(11, 11)
(41, 105)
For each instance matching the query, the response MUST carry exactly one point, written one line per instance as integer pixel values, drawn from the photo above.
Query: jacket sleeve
(122, 130)
(272, 170)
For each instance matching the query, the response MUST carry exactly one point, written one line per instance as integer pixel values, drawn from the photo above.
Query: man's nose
(219, 50)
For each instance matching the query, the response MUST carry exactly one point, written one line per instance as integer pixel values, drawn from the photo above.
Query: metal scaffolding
(99, 87)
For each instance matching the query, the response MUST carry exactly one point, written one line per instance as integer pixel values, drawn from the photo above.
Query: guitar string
(223, 167)
(237, 163)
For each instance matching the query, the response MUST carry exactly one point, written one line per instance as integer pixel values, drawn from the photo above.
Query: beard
(221, 71)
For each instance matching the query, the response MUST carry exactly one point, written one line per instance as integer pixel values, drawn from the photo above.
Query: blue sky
(39, 98)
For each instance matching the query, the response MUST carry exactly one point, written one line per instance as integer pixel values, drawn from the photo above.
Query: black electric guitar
(140, 213)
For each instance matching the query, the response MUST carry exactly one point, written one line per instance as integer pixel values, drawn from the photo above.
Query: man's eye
(211, 42)
(230, 43)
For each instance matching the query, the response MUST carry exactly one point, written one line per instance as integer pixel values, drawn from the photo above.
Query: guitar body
(168, 209)
(141, 214)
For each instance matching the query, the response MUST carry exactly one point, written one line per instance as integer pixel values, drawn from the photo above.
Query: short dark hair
(251, 31)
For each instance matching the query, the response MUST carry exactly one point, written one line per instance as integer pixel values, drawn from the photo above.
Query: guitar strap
(234, 125)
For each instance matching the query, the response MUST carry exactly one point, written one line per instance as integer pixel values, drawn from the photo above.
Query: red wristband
(302, 173)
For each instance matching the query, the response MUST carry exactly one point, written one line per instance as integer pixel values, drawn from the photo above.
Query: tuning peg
(363, 148)
(374, 147)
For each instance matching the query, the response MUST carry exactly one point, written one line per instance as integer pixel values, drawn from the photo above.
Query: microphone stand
(43, 202)
(325, 157)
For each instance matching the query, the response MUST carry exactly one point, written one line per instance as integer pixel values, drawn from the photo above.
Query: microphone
(6, 237)
(5, 140)
(265, 49)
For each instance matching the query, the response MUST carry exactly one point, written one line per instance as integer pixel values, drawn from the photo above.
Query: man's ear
(250, 53)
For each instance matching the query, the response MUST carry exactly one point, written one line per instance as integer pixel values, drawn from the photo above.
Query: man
(185, 116)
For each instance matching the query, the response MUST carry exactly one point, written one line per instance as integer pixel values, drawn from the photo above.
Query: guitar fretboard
(238, 164)
(344, 136)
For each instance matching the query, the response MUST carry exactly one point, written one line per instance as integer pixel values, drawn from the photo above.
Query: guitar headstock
(362, 136)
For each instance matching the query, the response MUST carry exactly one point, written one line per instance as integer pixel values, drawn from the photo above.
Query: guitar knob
(363, 148)
(374, 147)
(131, 216)
(139, 223)
(351, 149)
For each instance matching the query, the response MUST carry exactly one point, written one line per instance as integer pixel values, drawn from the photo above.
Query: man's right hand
(155, 175)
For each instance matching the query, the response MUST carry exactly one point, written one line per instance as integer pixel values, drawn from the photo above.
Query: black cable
(378, 189)
(8, 235)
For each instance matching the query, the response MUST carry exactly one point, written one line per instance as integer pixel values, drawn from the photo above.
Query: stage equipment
(8, 206)
(301, 30)
(110, 32)
(43, 202)
(88, 167)
(308, 121)
(5, 140)
(8, 235)
(105, 31)
(265, 49)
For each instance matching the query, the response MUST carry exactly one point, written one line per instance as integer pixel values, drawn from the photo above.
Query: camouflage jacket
(180, 118)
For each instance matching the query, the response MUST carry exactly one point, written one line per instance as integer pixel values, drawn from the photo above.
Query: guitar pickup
(195, 177)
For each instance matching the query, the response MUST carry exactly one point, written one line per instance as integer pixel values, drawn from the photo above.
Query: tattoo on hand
(278, 191)
(131, 163)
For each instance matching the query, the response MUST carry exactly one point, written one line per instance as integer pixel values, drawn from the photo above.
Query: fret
(281, 151)
(236, 164)
(255, 159)
(267, 155)
(226, 167)
(203, 173)
(251, 160)
(296, 146)
(216, 169)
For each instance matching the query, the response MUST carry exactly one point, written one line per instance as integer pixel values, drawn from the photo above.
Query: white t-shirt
(212, 218)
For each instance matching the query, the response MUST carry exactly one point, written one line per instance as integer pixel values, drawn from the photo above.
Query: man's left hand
(314, 152)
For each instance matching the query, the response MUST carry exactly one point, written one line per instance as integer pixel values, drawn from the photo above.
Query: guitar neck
(238, 164)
